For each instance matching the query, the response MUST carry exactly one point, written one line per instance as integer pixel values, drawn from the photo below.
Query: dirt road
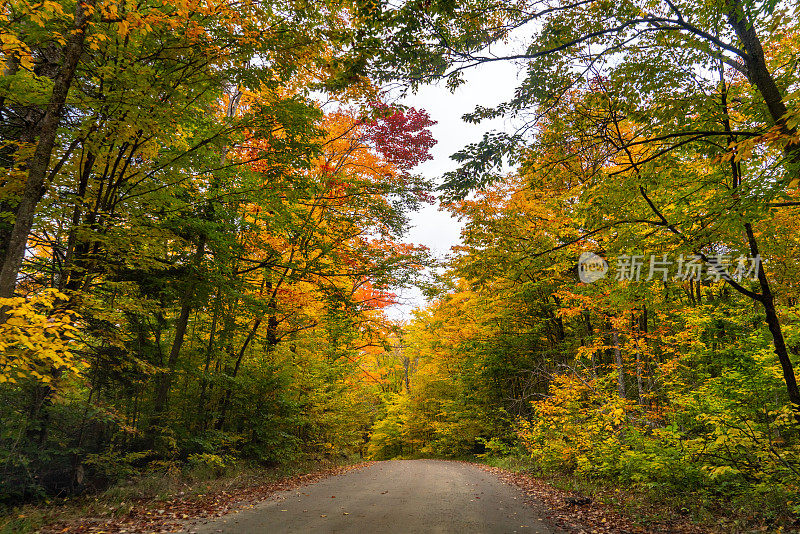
(424, 496)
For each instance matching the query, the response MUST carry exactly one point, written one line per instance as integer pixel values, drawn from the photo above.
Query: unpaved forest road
(425, 496)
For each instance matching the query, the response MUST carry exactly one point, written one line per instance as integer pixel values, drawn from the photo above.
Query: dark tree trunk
(767, 297)
(165, 381)
(618, 362)
(209, 352)
(767, 300)
(227, 398)
(758, 73)
(39, 163)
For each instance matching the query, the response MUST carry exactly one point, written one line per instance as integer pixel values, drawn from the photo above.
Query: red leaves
(374, 298)
(403, 138)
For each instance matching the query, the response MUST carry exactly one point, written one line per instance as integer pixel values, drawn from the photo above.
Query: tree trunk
(639, 384)
(209, 351)
(758, 73)
(618, 362)
(641, 363)
(590, 333)
(39, 163)
(227, 398)
(773, 323)
(164, 383)
(272, 330)
(68, 271)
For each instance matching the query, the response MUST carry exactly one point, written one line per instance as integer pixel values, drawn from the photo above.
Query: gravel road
(408, 496)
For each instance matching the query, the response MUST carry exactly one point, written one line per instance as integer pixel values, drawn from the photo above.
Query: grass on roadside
(660, 508)
(656, 507)
(148, 490)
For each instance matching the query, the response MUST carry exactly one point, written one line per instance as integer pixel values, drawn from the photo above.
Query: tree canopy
(203, 208)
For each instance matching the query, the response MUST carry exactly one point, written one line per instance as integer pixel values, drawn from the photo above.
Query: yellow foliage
(35, 338)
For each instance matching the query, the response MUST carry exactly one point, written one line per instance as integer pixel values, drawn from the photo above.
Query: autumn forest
(204, 216)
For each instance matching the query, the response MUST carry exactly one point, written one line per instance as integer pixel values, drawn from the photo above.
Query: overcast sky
(486, 85)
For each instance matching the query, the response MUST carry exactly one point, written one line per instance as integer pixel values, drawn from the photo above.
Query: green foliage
(641, 128)
(212, 249)
(214, 463)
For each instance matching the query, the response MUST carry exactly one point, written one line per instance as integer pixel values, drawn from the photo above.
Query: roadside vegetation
(202, 217)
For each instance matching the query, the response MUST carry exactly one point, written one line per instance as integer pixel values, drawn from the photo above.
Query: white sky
(485, 85)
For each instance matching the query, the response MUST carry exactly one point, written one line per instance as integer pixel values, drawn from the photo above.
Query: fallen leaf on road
(590, 517)
(172, 514)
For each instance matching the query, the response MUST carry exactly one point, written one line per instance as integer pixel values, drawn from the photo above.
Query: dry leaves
(576, 514)
(171, 515)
